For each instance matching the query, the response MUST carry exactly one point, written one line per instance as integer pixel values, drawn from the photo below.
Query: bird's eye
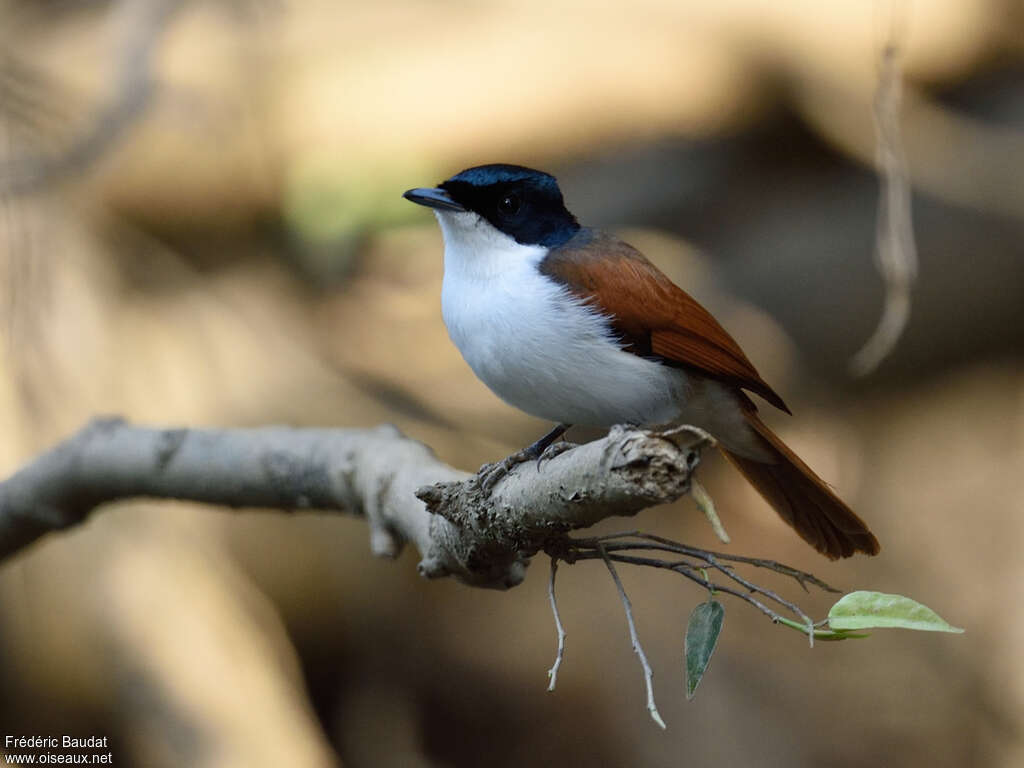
(510, 204)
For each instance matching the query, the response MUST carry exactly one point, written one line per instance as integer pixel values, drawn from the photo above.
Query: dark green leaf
(701, 638)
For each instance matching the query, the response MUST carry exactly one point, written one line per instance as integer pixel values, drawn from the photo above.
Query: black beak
(433, 198)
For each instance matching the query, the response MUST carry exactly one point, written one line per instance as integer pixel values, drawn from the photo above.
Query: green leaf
(820, 634)
(865, 610)
(706, 505)
(702, 633)
(842, 634)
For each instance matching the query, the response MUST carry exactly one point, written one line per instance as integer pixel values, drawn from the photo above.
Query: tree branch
(402, 490)
(144, 24)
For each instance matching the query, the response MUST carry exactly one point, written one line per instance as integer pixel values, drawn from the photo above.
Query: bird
(572, 325)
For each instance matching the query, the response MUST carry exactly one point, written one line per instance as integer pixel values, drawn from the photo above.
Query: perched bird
(573, 325)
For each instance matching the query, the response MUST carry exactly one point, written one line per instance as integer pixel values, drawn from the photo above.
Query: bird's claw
(492, 474)
(553, 450)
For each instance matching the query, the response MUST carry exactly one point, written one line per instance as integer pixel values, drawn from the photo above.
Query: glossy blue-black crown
(523, 203)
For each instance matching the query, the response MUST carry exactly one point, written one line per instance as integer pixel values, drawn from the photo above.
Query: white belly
(541, 350)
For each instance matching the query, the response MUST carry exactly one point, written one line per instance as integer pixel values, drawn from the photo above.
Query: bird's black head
(523, 203)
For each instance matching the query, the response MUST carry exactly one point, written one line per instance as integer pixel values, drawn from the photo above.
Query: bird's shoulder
(651, 315)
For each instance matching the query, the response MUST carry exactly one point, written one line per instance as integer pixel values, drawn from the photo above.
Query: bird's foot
(555, 449)
(545, 448)
(492, 474)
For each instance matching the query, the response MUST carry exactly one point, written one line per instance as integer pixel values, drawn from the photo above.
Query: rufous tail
(803, 499)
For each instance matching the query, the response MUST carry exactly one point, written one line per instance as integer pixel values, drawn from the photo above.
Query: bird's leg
(537, 450)
(551, 445)
(492, 473)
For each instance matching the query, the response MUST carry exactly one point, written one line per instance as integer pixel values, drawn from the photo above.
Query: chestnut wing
(652, 315)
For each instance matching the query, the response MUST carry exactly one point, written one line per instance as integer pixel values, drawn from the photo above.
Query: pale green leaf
(867, 610)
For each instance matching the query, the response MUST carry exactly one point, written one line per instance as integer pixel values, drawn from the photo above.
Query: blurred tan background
(201, 223)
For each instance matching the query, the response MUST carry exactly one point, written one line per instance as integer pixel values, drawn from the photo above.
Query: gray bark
(482, 537)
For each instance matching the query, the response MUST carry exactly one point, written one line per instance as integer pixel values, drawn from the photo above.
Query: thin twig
(691, 572)
(895, 250)
(801, 577)
(587, 549)
(756, 589)
(637, 647)
(553, 672)
(145, 24)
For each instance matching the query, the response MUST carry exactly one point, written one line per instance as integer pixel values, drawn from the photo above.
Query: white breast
(534, 344)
